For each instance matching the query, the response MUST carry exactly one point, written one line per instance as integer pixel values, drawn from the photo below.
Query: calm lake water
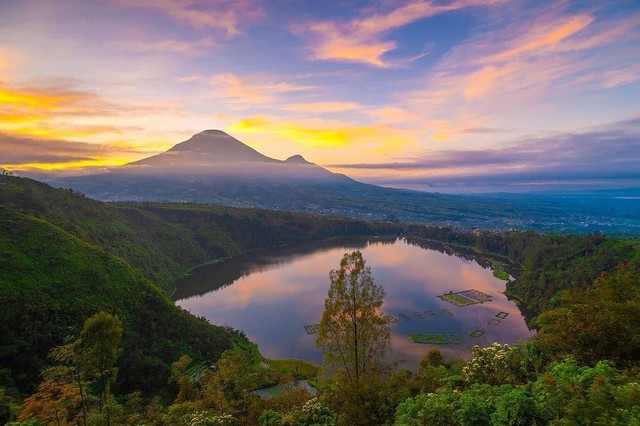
(272, 295)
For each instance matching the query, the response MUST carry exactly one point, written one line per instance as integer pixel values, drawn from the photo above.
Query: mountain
(214, 153)
(205, 150)
(212, 167)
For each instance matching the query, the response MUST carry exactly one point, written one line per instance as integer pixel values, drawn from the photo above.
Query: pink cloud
(361, 40)
(530, 64)
(170, 46)
(223, 15)
(248, 91)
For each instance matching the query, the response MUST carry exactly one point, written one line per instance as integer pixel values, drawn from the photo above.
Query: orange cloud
(36, 105)
(525, 66)
(360, 40)
(322, 134)
(223, 15)
(544, 37)
(245, 92)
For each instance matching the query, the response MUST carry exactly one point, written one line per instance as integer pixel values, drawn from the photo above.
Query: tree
(56, 401)
(354, 338)
(98, 349)
(186, 390)
(65, 355)
(227, 389)
(353, 334)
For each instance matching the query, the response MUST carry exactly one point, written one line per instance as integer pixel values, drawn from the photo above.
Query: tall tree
(353, 334)
(98, 349)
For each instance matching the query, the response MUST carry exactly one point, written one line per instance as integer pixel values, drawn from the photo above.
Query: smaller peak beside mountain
(297, 159)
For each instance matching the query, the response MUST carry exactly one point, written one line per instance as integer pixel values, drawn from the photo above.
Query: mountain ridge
(214, 151)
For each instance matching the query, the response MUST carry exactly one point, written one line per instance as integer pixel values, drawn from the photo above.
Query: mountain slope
(165, 241)
(51, 281)
(210, 147)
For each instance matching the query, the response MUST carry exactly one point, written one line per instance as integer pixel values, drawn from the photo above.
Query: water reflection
(271, 296)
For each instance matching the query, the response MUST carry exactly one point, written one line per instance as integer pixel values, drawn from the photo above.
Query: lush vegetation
(86, 335)
(164, 241)
(545, 265)
(51, 282)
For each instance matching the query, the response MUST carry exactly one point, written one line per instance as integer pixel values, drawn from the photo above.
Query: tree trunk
(84, 402)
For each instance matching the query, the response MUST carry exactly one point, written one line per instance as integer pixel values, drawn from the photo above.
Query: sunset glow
(420, 93)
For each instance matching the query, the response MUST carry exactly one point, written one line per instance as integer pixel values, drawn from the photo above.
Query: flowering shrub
(314, 413)
(492, 365)
(204, 419)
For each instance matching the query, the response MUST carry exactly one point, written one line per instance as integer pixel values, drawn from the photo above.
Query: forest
(89, 335)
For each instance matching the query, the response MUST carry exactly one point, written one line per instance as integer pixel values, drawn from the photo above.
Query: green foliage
(601, 322)
(313, 413)
(50, 282)
(353, 336)
(164, 241)
(433, 358)
(270, 418)
(179, 375)
(500, 364)
(98, 349)
(565, 394)
(8, 407)
(546, 264)
(64, 257)
(298, 368)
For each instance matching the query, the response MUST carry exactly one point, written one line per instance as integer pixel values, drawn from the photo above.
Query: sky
(441, 95)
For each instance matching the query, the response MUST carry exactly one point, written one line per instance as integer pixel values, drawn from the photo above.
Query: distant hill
(214, 168)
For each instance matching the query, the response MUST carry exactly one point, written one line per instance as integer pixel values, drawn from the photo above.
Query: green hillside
(50, 282)
(164, 241)
(65, 257)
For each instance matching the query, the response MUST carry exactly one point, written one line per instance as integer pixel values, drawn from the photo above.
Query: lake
(273, 295)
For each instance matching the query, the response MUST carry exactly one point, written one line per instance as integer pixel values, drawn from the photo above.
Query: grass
(499, 270)
(295, 367)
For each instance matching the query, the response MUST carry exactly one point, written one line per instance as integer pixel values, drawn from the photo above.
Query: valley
(214, 168)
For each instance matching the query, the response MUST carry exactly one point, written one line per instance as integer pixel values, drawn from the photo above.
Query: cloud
(26, 103)
(543, 38)
(361, 40)
(545, 53)
(56, 111)
(223, 15)
(244, 92)
(609, 152)
(18, 150)
(322, 107)
(321, 137)
(198, 47)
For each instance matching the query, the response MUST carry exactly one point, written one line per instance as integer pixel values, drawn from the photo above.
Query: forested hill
(65, 257)
(546, 265)
(51, 281)
(164, 241)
